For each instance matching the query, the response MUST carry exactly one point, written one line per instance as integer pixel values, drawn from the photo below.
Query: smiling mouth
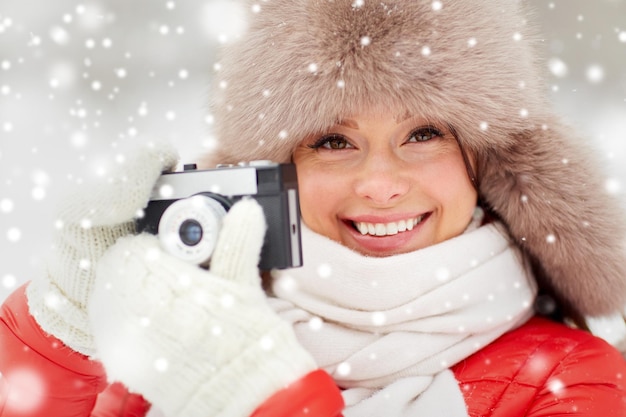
(388, 229)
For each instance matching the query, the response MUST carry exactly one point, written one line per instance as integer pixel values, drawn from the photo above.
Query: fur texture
(304, 65)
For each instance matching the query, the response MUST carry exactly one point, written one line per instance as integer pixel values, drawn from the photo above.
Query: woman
(441, 202)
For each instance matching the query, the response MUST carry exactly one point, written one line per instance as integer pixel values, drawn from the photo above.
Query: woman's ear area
(548, 187)
(470, 159)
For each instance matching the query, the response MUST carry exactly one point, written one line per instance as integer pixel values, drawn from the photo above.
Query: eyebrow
(402, 117)
(352, 124)
(348, 123)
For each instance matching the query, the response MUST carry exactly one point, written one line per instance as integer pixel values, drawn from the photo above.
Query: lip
(400, 242)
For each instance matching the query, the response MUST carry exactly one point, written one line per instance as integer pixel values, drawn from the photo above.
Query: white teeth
(387, 229)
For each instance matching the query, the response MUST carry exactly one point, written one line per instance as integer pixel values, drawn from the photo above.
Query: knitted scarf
(388, 329)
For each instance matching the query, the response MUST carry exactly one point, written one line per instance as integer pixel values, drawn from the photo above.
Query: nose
(382, 179)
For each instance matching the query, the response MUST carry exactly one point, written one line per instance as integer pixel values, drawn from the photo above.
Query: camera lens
(189, 228)
(190, 232)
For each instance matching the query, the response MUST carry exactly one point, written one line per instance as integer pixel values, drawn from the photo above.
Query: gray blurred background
(77, 77)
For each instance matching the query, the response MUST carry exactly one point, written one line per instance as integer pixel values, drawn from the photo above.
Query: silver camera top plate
(233, 181)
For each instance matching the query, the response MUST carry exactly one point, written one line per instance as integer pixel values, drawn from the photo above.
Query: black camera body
(186, 208)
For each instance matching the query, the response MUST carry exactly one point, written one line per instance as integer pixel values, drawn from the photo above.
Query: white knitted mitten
(195, 342)
(92, 217)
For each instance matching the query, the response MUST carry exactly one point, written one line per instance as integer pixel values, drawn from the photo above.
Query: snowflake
(59, 35)
(613, 186)
(227, 300)
(34, 40)
(143, 109)
(556, 386)
(161, 365)
(6, 205)
(14, 234)
(442, 274)
(9, 281)
(267, 343)
(121, 72)
(344, 369)
(557, 67)
(595, 74)
(324, 271)
(26, 393)
(288, 283)
(315, 323)
(379, 318)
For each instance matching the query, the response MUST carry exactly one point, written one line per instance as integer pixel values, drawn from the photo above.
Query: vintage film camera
(186, 209)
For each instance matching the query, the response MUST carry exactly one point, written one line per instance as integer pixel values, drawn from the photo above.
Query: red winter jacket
(538, 370)
(40, 376)
(544, 369)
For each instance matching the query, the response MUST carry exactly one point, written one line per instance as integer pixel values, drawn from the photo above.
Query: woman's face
(382, 186)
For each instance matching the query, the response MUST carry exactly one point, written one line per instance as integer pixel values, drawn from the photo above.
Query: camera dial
(189, 228)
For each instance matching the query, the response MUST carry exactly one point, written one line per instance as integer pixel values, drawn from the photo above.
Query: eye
(424, 134)
(332, 142)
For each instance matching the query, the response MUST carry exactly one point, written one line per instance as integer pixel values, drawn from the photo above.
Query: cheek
(451, 187)
(318, 196)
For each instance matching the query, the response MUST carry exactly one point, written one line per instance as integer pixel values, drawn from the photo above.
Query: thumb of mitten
(238, 249)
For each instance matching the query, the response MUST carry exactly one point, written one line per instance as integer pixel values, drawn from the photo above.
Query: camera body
(186, 208)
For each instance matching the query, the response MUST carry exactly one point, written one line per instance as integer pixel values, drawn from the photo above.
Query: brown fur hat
(305, 64)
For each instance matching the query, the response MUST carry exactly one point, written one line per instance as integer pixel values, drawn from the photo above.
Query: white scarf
(388, 329)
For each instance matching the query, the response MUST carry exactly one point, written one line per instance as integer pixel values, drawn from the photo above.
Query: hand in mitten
(92, 217)
(195, 342)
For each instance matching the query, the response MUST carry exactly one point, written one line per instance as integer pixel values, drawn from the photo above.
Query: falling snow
(315, 323)
(344, 369)
(27, 392)
(558, 67)
(324, 271)
(77, 78)
(556, 386)
(379, 318)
